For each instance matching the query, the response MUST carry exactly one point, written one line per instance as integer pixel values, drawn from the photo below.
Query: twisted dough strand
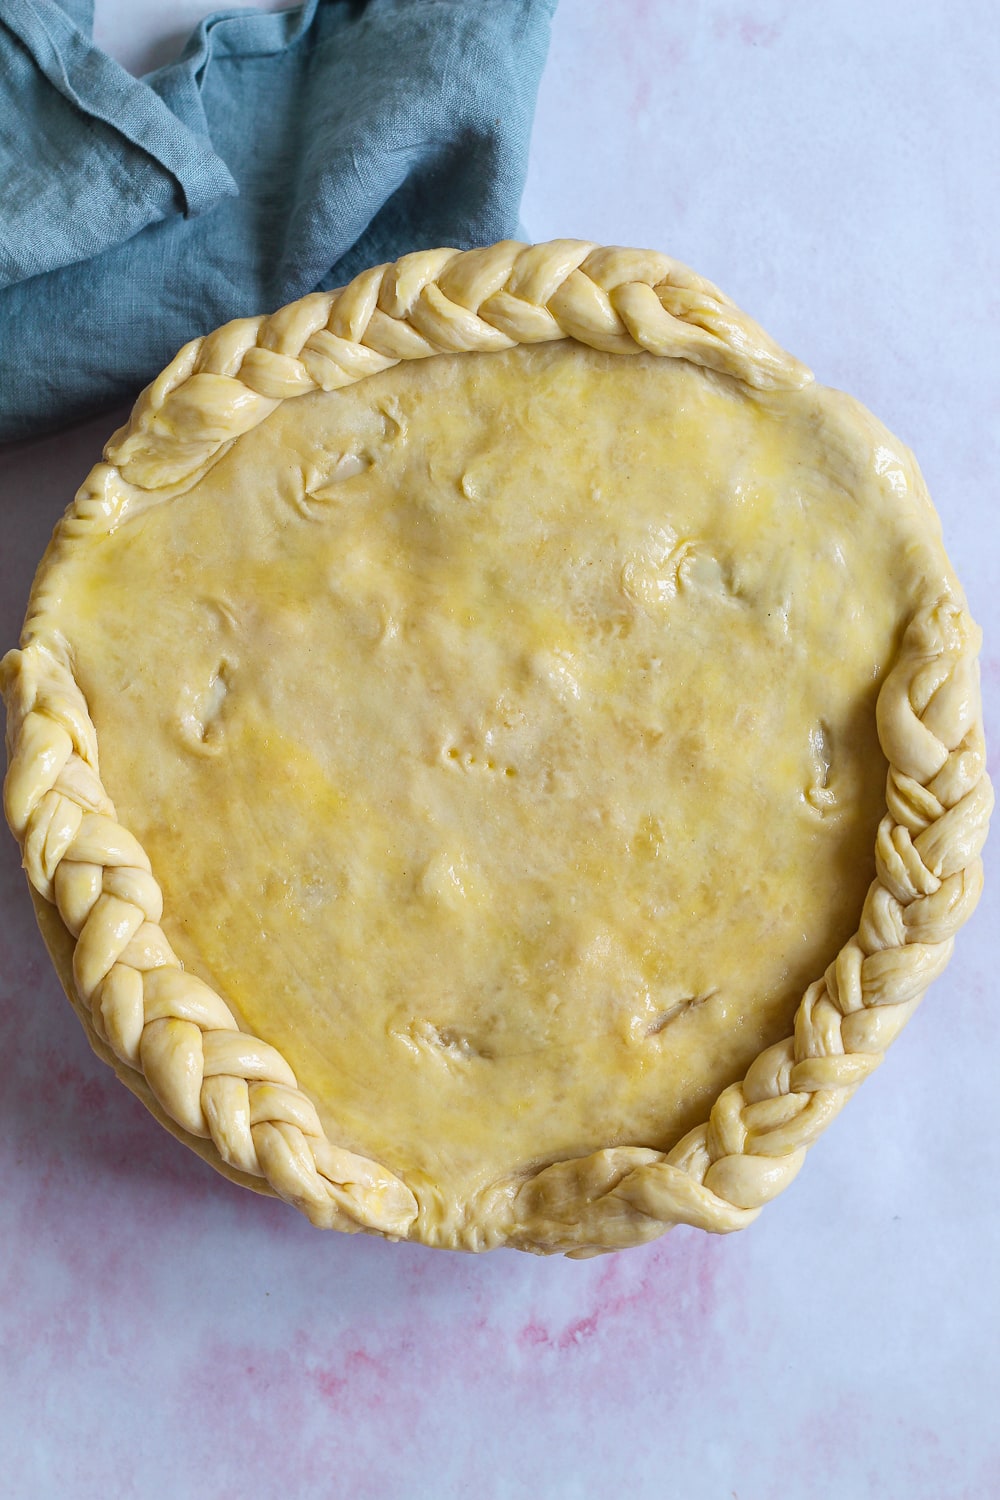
(432, 302)
(211, 1079)
(928, 882)
(221, 1085)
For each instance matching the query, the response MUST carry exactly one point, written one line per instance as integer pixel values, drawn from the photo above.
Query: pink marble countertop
(164, 1334)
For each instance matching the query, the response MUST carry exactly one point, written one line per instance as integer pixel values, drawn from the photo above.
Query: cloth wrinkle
(136, 214)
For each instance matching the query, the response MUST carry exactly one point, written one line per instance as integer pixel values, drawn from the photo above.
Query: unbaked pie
(541, 760)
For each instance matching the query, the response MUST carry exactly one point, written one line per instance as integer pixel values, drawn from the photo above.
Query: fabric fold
(280, 153)
(89, 154)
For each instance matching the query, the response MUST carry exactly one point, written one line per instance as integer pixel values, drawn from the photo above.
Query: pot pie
(497, 751)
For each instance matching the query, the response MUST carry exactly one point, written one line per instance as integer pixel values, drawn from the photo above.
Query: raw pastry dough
(505, 745)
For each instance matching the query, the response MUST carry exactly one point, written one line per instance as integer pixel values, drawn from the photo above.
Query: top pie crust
(544, 781)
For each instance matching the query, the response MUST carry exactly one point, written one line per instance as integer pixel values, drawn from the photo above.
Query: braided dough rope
(236, 1093)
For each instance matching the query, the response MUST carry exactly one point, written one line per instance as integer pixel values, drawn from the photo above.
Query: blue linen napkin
(280, 154)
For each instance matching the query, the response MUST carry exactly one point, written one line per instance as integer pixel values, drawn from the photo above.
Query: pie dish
(541, 761)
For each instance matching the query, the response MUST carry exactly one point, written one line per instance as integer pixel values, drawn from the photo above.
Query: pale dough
(502, 737)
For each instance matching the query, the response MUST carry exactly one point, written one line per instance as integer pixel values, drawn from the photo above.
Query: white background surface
(834, 167)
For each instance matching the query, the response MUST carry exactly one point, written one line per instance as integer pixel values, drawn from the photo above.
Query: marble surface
(165, 1334)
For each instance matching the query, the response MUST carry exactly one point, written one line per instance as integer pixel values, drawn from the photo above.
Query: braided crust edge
(173, 1039)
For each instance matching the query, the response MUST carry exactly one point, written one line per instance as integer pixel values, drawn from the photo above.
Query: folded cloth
(280, 154)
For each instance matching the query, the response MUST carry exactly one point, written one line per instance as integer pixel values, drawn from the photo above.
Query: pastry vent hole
(391, 421)
(202, 716)
(451, 1041)
(820, 794)
(213, 698)
(466, 760)
(323, 484)
(350, 464)
(675, 1011)
(446, 1043)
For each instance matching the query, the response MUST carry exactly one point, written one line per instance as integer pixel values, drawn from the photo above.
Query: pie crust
(239, 411)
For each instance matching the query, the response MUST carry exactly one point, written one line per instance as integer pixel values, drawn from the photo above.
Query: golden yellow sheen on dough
(503, 738)
(527, 744)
